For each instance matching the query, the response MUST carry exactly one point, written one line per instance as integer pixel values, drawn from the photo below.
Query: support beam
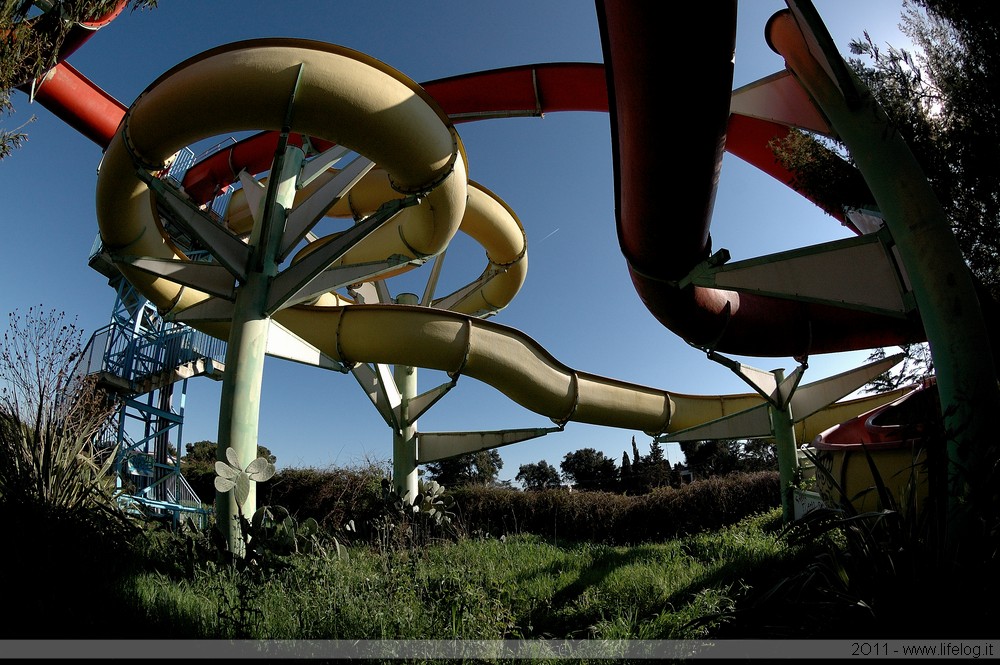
(239, 411)
(290, 285)
(788, 461)
(857, 273)
(942, 285)
(227, 249)
(309, 212)
(433, 446)
(378, 384)
(211, 278)
(404, 439)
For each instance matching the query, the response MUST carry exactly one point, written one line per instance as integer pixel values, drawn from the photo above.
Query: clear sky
(554, 172)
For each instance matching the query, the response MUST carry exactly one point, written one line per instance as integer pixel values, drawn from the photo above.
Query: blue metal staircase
(147, 361)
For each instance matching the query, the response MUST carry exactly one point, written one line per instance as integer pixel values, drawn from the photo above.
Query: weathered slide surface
(347, 98)
(660, 249)
(663, 224)
(408, 131)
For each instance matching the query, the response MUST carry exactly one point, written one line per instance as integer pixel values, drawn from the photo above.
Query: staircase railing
(134, 358)
(177, 495)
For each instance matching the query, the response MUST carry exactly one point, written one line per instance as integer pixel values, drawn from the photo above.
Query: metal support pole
(942, 285)
(160, 445)
(404, 439)
(784, 441)
(239, 410)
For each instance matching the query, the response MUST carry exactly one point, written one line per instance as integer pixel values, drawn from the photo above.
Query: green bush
(615, 519)
(336, 496)
(332, 497)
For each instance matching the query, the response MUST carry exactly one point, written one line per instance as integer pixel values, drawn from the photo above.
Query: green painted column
(784, 440)
(940, 279)
(239, 409)
(404, 440)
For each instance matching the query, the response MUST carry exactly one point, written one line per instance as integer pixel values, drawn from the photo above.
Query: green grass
(745, 581)
(521, 587)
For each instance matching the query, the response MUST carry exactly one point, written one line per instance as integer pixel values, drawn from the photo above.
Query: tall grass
(889, 572)
(51, 418)
(523, 586)
(66, 534)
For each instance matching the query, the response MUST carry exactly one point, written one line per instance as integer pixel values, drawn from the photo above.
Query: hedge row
(333, 497)
(615, 519)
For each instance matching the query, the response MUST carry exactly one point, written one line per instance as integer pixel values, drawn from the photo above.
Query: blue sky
(554, 172)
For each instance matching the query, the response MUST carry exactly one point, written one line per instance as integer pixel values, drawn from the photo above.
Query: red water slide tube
(669, 112)
(85, 107)
(529, 90)
(68, 94)
(667, 161)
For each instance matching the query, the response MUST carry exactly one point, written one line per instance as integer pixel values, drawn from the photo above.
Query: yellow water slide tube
(350, 99)
(341, 95)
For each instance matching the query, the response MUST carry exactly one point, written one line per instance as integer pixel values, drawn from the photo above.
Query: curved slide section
(522, 91)
(662, 248)
(659, 251)
(339, 94)
(381, 115)
(505, 358)
(724, 320)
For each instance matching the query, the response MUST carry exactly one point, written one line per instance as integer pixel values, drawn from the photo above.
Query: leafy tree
(30, 44)
(917, 366)
(758, 455)
(590, 469)
(538, 476)
(478, 468)
(943, 98)
(717, 458)
(655, 452)
(712, 458)
(655, 469)
(647, 472)
(200, 457)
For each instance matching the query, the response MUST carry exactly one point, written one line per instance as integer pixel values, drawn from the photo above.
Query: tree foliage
(758, 455)
(644, 473)
(590, 469)
(478, 468)
(917, 366)
(538, 476)
(942, 97)
(724, 456)
(30, 43)
(711, 458)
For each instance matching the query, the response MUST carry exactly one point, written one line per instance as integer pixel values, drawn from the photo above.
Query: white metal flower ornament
(231, 475)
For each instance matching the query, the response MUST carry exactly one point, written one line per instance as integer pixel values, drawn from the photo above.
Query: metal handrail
(134, 357)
